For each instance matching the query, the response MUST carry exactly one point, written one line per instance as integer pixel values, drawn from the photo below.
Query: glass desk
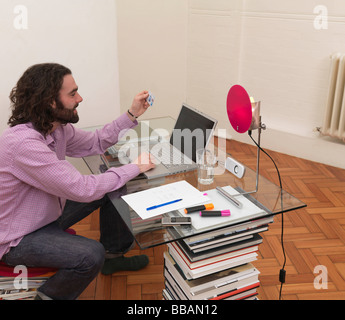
(149, 232)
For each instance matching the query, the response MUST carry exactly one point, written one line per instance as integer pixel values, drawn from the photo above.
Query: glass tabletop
(150, 232)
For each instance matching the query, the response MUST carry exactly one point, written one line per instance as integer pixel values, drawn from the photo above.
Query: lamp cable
(282, 273)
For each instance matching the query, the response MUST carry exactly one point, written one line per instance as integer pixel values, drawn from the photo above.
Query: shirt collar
(48, 139)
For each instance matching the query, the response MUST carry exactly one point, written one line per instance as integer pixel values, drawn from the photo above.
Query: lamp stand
(256, 124)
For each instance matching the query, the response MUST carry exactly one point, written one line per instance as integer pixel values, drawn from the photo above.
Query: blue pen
(163, 204)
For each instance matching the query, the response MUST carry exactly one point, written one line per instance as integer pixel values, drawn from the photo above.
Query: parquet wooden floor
(313, 236)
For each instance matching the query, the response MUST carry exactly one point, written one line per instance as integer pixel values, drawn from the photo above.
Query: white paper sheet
(248, 210)
(142, 200)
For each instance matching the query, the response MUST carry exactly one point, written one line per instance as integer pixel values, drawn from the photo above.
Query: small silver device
(235, 167)
(175, 221)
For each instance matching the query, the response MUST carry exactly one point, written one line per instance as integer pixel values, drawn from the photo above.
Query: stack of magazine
(215, 265)
(9, 290)
(22, 286)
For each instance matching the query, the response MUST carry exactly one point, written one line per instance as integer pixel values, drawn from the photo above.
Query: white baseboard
(318, 149)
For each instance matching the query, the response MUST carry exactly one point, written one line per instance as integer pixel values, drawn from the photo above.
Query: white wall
(285, 60)
(80, 34)
(214, 42)
(152, 37)
(186, 51)
(271, 47)
(282, 60)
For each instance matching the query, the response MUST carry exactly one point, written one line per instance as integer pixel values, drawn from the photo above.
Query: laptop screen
(192, 131)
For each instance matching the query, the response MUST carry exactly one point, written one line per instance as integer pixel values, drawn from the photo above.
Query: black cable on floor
(282, 272)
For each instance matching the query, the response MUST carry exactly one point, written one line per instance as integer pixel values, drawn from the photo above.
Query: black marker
(208, 206)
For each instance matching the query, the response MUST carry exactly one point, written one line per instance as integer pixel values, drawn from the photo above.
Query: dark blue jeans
(78, 259)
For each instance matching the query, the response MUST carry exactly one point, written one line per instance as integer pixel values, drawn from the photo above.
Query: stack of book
(22, 283)
(11, 290)
(215, 265)
(233, 283)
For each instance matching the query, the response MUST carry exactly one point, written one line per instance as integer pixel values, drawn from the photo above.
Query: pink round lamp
(244, 116)
(239, 109)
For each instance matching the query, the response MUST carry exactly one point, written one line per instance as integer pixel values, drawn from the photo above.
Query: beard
(64, 115)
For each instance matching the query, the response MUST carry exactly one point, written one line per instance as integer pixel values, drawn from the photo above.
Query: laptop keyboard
(165, 153)
(169, 156)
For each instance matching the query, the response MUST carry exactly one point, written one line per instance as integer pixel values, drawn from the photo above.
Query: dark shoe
(134, 263)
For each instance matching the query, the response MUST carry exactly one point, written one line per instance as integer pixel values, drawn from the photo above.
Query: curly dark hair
(35, 92)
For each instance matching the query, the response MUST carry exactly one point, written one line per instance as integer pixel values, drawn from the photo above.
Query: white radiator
(334, 120)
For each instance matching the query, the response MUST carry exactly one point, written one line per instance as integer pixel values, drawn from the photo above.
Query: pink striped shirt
(36, 180)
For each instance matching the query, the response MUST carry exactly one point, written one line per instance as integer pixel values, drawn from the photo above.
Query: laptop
(192, 131)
